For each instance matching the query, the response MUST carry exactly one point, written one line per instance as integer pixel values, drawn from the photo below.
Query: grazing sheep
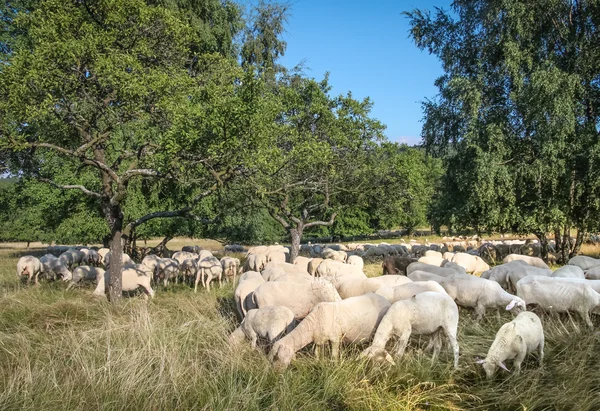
(409, 290)
(131, 280)
(584, 262)
(273, 270)
(431, 260)
(441, 271)
(181, 256)
(560, 295)
(304, 278)
(426, 276)
(313, 265)
(479, 293)
(569, 271)
(277, 256)
(102, 253)
(302, 262)
(329, 254)
(29, 266)
(514, 340)
(593, 273)
(150, 261)
(86, 273)
(188, 269)
(533, 261)
(208, 269)
(166, 269)
(519, 272)
(268, 323)
(352, 321)
(124, 258)
(500, 272)
(255, 262)
(300, 298)
(330, 269)
(230, 268)
(249, 281)
(54, 267)
(471, 263)
(396, 265)
(351, 287)
(92, 257)
(427, 313)
(190, 249)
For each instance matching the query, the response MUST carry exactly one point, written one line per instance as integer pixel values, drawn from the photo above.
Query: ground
(70, 350)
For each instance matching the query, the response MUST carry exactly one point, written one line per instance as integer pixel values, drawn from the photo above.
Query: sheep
(396, 265)
(268, 323)
(150, 261)
(52, 266)
(405, 291)
(202, 254)
(330, 254)
(356, 261)
(181, 256)
(426, 313)
(86, 273)
(351, 287)
(379, 251)
(132, 279)
(230, 268)
(249, 281)
(556, 294)
(471, 291)
(584, 262)
(296, 278)
(431, 260)
(593, 273)
(166, 269)
(92, 257)
(353, 321)
(313, 265)
(208, 269)
(190, 249)
(533, 261)
(514, 340)
(500, 272)
(29, 266)
(302, 262)
(471, 263)
(426, 276)
(188, 269)
(102, 253)
(276, 256)
(255, 262)
(441, 271)
(519, 272)
(300, 298)
(125, 259)
(569, 271)
(234, 248)
(330, 269)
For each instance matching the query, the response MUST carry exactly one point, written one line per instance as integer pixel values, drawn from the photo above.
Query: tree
(517, 114)
(313, 165)
(104, 86)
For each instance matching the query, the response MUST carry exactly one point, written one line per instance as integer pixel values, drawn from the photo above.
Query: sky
(365, 47)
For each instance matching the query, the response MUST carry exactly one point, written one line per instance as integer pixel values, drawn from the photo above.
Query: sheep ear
(511, 305)
(501, 365)
(479, 361)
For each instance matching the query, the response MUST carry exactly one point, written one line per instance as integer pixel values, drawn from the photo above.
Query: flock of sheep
(324, 296)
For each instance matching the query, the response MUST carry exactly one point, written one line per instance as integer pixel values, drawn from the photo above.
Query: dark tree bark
(543, 245)
(295, 236)
(114, 218)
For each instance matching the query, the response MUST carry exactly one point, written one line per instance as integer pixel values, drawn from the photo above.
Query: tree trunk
(578, 242)
(114, 217)
(296, 236)
(543, 245)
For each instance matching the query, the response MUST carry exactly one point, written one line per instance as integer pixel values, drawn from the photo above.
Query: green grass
(64, 350)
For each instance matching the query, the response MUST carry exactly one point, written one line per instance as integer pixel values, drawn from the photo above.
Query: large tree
(517, 114)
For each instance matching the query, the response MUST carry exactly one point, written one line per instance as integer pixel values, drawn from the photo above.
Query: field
(64, 350)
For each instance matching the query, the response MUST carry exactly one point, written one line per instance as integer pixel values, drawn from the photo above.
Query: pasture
(69, 350)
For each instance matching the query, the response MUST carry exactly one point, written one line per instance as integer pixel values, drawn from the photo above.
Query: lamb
(514, 340)
(353, 321)
(569, 271)
(249, 281)
(29, 266)
(584, 262)
(471, 291)
(268, 323)
(560, 295)
(409, 290)
(533, 261)
(230, 268)
(86, 273)
(356, 261)
(300, 298)
(352, 287)
(426, 313)
(208, 269)
(131, 280)
(166, 269)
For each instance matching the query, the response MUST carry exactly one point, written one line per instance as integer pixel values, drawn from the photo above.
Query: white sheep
(29, 266)
(300, 298)
(352, 321)
(277, 256)
(514, 340)
(268, 323)
(249, 281)
(255, 262)
(517, 273)
(151, 261)
(102, 253)
(125, 259)
(533, 261)
(560, 295)
(86, 273)
(442, 271)
(356, 261)
(408, 290)
(332, 269)
(569, 271)
(471, 263)
(313, 265)
(181, 256)
(426, 313)
(432, 259)
(500, 272)
(132, 279)
(165, 270)
(208, 269)
(273, 270)
(351, 287)
(53, 267)
(584, 262)
(231, 267)
(302, 262)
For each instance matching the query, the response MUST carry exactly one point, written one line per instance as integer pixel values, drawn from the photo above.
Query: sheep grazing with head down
(424, 314)
(249, 281)
(353, 320)
(268, 323)
(29, 267)
(515, 340)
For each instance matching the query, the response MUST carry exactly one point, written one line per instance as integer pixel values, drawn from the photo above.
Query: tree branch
(324, 223)
(69, 187)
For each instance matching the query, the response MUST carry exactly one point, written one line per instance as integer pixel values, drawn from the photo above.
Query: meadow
(69, 350)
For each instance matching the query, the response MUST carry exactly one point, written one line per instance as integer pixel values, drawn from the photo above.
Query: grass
(64, 350)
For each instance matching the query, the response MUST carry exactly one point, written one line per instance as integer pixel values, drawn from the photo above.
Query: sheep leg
(335, 350)
(586, 317)
(198, 276)
(518, 360)
(479, 311)
(454, 344)
(541, 352)
(208, 280)
(317, 351)
(403, 342)
(220, 282)
(437, 346)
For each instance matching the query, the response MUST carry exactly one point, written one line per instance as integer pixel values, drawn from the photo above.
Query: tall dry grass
(64, 350)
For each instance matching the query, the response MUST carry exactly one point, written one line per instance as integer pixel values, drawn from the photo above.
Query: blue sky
(365, 47)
